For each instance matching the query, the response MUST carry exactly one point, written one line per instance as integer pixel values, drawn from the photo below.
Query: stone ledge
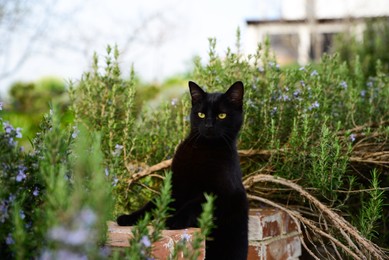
(272, 235)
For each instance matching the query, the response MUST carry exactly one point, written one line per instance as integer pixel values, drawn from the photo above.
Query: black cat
(207, 162)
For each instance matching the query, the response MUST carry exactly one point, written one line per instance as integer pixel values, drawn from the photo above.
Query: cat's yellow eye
(201, 115)
(222, 115)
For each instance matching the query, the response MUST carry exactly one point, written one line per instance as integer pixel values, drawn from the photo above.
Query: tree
(49, 27)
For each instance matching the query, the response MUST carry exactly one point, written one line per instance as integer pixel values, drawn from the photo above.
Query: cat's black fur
(207, 162)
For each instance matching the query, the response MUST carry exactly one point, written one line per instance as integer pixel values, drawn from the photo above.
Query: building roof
(299, 21)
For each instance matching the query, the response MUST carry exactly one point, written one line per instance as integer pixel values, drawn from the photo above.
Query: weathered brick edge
(272, 235)
(118, 237)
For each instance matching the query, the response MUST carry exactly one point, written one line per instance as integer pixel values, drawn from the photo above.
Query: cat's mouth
(210, 134)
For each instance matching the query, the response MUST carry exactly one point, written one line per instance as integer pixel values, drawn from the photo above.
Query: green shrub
(371, 53)
(53, 193)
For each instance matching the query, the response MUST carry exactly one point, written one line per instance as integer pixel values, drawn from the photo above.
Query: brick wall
(272, 235)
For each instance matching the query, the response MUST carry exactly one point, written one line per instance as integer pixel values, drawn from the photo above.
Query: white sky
(184, 33)
(163, 48)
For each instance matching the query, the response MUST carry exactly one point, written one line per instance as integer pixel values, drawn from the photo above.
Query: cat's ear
(235, 94)
(196, 92)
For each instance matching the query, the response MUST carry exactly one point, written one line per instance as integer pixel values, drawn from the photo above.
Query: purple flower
(284, 97)
(186, 237)
(274, 65)
(343, 84)
(115, 181)
(369, 84)
(145, 241)
(174, 102)
(352, 137)
(363, 93)
(21, 173)
(118, 149)
(12, 142)
(3, 211)
(301, 68)
(106, 172)
(70, 237)
(296, 93)
(87, 217)
(314, 105)
(21, 176)
(105, 252)
(274, 111)
(11, 198)
(62, 254)
(9, 240)
(22, 215)
(1, 105)
(7, 127)
(35, 192)
(18, 132)
(75, 132)
(302, 83)
(314, 73)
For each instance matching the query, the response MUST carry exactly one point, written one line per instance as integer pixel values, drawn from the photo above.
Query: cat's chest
(205, 162)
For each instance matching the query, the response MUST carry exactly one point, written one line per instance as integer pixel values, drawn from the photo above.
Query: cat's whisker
(228, 140)
(195, 134)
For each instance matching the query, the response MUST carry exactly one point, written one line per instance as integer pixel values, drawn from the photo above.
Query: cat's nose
(208, 124)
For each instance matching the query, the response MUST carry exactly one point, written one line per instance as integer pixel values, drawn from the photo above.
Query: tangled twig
(345, 228)
(331, 227)
(381, 160)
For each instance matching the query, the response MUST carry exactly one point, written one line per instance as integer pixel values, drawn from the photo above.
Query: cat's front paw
(126, 220)
(175, 223)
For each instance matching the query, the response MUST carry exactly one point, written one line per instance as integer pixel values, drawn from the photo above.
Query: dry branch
(299, 219)
(346, 229)
(157, 167)
(375, 158)
(167, 163)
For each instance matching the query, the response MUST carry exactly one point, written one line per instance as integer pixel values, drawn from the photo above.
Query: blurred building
(304, 29)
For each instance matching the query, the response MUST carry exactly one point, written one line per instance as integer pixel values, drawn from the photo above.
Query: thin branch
(157, 167)
(338, 220)
(307, 222)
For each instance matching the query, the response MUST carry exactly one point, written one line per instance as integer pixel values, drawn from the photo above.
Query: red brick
(118, 237)
(273, 234)
(284, 248)
(264, 223)
(288, 224)
(254, 252)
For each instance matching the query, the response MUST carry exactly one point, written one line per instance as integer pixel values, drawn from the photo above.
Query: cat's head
(217, 115)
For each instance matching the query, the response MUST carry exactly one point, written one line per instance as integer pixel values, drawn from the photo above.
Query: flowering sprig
(314, 105)
(118, 150)
(11, 133)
